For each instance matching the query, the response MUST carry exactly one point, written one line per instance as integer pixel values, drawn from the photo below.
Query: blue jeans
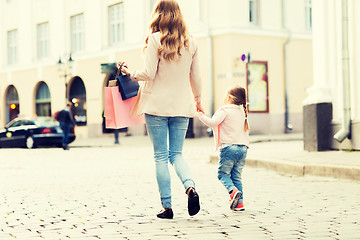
(232, 161)
(65, 127)
(172, 130)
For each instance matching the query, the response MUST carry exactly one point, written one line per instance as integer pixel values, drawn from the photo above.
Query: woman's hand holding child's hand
(199, 108)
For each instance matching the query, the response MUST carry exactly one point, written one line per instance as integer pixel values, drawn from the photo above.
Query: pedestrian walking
(67, 122)
(171, 72)
(231, 132)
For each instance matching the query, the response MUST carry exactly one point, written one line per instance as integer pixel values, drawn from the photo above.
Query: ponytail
(246, 124)
(238, 96)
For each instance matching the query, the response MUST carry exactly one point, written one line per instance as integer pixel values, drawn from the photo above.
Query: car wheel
(30, 143)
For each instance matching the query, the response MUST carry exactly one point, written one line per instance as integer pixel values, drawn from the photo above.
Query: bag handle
(119, 71)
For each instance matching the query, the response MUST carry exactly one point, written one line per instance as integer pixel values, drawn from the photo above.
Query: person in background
(67, 122)
(171, 73)
(231, 132)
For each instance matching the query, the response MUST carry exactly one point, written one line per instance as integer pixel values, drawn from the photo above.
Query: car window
(46, 122)
(15, 124)
(27, 122)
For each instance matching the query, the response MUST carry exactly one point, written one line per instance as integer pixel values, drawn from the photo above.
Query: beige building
(275, 34)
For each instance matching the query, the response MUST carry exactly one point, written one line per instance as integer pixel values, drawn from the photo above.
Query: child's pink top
(228, 124)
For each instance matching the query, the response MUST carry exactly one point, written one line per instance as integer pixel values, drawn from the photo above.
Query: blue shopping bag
(127, 87)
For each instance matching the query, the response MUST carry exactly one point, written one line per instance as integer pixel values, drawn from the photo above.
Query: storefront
(77, 95)
(12, 105)
(43, 100)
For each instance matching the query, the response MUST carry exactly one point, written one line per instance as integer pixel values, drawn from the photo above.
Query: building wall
(328, 66)
(229, 72)
(354, 38)
(230, 32)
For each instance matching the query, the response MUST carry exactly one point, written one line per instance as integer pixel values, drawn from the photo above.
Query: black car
(33, 132)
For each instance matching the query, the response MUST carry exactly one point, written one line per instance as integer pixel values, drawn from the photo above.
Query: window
(43, 40)
(27, 123)
(152, 4)
(254, 11)
(308, 14)
(116, 24)
(78, 98)
(12, 103)
(15, 124)
(202, 10)
(12, 47)
(43, 101)
(77, 33)
(257, 85)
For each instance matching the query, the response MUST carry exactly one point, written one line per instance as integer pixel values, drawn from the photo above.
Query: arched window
(12, 103)
(42, 100)
(77, 95)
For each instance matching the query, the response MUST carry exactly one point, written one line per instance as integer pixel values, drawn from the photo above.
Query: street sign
(108, 68)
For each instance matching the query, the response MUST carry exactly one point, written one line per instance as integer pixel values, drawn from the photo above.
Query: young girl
(231, 132)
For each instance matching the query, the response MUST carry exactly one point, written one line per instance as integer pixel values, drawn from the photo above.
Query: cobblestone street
(111, 193)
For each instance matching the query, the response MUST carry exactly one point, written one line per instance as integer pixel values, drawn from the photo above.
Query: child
(231, 132)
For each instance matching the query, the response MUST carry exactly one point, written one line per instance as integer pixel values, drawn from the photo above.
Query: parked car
(33, 132)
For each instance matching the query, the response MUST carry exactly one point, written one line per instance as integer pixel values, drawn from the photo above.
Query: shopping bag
(127, 87)
(134, 109)
(117, 111)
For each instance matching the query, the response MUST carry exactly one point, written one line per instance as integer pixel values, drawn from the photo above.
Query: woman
(171, 72)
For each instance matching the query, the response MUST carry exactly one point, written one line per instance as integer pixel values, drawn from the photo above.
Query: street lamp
(65, 71)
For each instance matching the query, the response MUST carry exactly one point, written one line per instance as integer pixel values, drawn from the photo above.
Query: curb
(298, 169)
(274, 140)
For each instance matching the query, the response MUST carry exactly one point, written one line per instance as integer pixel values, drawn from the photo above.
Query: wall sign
(257, 87)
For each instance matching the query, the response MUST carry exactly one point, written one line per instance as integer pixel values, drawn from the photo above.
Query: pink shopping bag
(117, 112)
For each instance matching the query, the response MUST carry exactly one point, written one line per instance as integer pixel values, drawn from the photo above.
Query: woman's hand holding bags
(121, 103)
(127, 87)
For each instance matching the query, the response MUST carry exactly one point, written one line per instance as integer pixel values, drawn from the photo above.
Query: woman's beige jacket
(169, 88)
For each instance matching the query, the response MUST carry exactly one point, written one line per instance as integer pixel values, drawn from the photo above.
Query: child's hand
(199, 108)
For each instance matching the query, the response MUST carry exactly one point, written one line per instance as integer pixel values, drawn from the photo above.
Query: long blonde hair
(238, 97)
(168, 20)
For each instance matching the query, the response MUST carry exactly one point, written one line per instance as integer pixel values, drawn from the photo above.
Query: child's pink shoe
(240, 207)
(234, 198)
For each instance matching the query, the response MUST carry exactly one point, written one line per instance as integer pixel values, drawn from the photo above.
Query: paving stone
(111, 193)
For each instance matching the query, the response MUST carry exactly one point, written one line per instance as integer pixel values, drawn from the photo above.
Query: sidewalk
(282, 153)
(285, 153)
(99, 190)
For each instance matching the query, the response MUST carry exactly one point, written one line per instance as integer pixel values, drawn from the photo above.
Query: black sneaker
(193, 202)
(166, 214)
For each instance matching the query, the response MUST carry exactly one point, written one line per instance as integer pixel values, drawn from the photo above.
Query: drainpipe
(288, 125)
(209, 39)
(345, 130)
(210, 54)
(210, 69)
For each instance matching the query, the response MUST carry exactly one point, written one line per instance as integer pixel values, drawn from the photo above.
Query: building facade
(336, 88)
(55, 50)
